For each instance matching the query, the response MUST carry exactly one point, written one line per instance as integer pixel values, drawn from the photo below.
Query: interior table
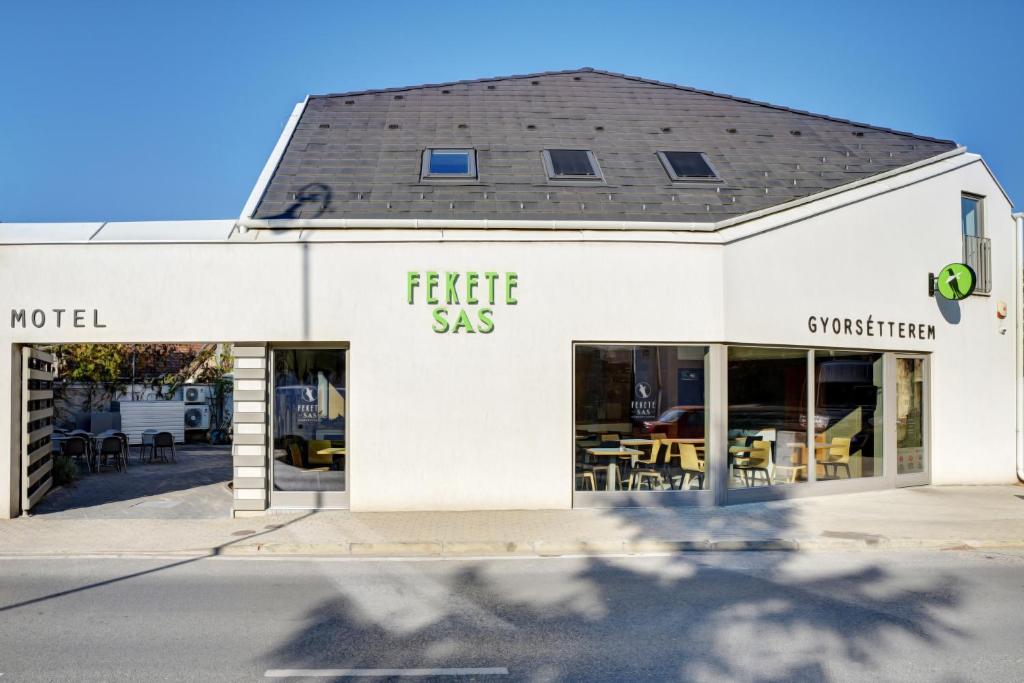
(613, 467)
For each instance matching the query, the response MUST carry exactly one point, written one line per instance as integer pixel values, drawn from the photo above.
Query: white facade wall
(445, 421)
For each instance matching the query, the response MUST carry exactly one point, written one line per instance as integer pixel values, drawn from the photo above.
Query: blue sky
(137, 110)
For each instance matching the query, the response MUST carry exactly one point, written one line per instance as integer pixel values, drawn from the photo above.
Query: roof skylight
(687, 166)
(449, 163)
(571, 164)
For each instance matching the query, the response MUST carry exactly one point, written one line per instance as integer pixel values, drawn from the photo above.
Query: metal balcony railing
(978, 255)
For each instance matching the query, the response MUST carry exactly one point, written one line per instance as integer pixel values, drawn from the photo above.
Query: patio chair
(161, 442)
(146, 442)
(124, 443)
(76, 447)
(111, 447)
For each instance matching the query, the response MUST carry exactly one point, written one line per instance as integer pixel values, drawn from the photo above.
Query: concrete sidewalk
(916, 518)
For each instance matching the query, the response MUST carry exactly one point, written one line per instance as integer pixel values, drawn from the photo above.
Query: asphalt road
(939, 616)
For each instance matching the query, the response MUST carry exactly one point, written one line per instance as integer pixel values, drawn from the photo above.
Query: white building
(563, 289)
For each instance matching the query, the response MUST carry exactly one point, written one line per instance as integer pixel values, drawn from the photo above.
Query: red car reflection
(678, 422)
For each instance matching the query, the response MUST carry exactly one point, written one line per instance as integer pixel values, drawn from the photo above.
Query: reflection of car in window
(678, 422)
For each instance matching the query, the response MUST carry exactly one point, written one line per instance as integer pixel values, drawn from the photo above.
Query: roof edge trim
(273, 161)
(465, 224)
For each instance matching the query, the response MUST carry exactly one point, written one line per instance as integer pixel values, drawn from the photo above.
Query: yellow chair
(796, 468)
(295, 453)
(838, 456)
(315, 458)
(605, 438)
(585, 478)
(648, 468)
(758, 460)
(690, 465)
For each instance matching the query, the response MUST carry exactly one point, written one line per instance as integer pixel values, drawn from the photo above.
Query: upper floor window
(977, 247)
(687, 166)
(571, 164)
(449, 163)
(970, 216)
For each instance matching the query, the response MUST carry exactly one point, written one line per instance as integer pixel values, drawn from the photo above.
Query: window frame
(549, 166)
(980, 220)
(426, 174)
(667, 165)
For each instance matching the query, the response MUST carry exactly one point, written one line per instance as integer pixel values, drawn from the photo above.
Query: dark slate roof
(358, 155)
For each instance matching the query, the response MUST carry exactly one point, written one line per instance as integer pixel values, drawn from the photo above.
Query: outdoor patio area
(193, 486)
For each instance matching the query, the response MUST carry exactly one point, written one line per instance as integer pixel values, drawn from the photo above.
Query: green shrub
(65, 471)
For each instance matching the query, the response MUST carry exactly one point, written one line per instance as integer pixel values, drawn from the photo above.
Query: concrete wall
(460, 421)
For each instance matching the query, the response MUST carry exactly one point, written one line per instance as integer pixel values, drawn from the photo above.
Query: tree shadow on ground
(194, 466)
(691, 616)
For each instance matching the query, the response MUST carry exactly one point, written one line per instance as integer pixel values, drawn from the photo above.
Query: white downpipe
(1018, 237)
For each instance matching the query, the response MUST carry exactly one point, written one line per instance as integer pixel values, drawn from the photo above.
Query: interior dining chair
(649, 469)
(759, 460)
(586, 478)
(690, 464)
(838, 456)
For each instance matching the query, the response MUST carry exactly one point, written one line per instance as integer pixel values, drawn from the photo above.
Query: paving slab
(917, 518)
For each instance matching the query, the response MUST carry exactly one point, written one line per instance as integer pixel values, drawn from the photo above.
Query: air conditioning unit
(197, 393)
(197, 417)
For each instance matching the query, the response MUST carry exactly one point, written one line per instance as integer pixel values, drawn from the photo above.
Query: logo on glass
(643, 390)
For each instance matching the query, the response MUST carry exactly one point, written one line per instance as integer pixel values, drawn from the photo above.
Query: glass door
(309, 468)
(912, 418)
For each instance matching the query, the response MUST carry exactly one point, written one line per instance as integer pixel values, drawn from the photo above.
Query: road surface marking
(370, 673)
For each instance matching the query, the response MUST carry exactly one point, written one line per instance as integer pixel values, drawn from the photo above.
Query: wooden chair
(584, 478)
(690, 466)
(295, 454)
(758, 460)
(651, 468)
(838, 456)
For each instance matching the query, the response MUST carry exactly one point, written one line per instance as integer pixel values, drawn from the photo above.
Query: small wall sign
(55, 317)
(869, 327)
(954, 282)
(463, 301)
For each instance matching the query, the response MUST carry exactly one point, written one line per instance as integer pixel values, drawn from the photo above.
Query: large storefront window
(848, 414)
(909, 415)
(309, 420)
(767, 424)
(640, 418)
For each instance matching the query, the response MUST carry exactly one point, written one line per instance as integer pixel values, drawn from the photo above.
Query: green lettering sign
(461, 292)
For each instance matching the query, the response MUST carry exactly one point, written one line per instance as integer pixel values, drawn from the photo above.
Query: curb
(469, 549)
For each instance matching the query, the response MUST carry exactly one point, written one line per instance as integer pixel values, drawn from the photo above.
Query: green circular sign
(956, 281)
